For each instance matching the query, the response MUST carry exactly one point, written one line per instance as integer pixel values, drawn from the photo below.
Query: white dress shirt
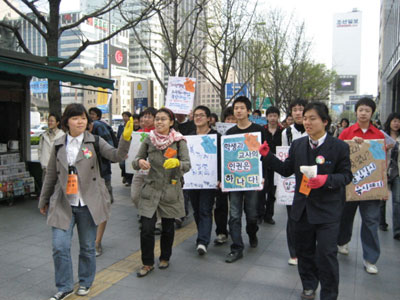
(320, 141)
(73, 148)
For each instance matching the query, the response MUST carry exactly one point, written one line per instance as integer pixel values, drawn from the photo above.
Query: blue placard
(241, 165)
(232, 88)
(258, 120)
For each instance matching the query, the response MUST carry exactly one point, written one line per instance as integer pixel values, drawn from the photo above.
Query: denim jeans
(396, 205)
(250, 201)
(370, 215)
(87, 255)
(202, 203)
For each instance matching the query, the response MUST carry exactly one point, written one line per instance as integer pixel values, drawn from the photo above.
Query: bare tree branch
(15, 30)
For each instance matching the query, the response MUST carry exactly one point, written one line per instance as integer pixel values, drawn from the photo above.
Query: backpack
(114, 138)
(96, 149)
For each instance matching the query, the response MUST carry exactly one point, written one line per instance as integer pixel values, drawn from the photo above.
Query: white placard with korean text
(285, 186)
(204, 161)
(180, 94)
(136, 142)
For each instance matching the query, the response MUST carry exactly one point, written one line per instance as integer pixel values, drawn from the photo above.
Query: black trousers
(316, 251)
(290, 233)
(221, 213)
(270, 202)
(147, 239)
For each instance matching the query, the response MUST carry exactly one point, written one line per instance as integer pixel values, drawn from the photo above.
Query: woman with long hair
(165, 154)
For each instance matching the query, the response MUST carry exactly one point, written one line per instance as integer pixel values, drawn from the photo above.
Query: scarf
(162, 142)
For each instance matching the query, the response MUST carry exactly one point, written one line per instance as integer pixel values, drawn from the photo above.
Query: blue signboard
(39, 87)
(232, 88)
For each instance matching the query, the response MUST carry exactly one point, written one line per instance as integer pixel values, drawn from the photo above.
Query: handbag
(393, 168)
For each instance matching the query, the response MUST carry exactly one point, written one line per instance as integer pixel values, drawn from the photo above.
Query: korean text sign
(241, 165)
(368, 165)
(204, 161)
(180, 94)
(285, 186)
(137, 140)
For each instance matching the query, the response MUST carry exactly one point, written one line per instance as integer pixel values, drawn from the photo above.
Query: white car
(38, 129)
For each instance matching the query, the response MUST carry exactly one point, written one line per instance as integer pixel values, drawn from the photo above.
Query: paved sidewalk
(26, 268)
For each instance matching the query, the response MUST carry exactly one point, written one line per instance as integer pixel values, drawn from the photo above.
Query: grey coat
(158, 192)
(91, 185)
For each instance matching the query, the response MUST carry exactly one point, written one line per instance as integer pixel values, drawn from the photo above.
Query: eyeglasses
(161, 119)
(199, 116)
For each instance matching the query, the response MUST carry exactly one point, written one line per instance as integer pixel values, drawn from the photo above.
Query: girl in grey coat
(165, 154)
(75, 193)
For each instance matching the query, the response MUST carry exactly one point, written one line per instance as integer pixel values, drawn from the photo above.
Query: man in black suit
(318, 201)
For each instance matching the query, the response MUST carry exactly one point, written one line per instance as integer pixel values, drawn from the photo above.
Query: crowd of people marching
(77, 187)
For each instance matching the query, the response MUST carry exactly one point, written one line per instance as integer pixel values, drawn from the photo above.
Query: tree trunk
(54, 94)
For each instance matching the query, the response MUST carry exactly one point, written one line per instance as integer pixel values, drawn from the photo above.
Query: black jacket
(323, 205)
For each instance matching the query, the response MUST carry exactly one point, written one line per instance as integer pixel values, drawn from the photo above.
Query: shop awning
(28, 68)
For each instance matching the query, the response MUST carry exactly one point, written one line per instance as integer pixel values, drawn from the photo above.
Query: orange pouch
(304, 189)
(170, 153)
(72, 184)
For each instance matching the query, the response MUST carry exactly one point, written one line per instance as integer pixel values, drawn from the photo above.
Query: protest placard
(285, 186)
(137, 139)
(241, 165)
(222, 128)
(368, 165)
(180, 94)
(258, 120)
(204, 160)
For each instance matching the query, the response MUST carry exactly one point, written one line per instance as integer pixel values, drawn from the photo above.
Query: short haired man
(293, 132)
(369, 210)
(241, 110)
(273, 135)
(229, 117)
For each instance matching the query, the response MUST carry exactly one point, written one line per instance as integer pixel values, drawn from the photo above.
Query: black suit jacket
(323, 205)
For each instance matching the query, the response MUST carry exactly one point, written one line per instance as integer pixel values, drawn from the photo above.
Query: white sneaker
(201, 249)
(292, 261)
(370, 268)
(220, 239)
(343, 249)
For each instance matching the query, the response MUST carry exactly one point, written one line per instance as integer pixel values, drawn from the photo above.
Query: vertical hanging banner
(137, 140)
(368, 165)
(180, 94)
(241, 165)
(285, 186)
(204, 161)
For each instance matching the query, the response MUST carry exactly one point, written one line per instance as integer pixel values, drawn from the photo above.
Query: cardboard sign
(222, 128)
(136, 142)
(180, 94)
(285, 186)
(204, 160)
(241, 165)
(368, 165)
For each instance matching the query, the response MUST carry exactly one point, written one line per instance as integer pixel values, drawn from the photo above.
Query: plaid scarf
(162, 142)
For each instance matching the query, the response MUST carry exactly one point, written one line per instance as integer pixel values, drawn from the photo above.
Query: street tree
(51, 28)
(176, 24)
(226, 30)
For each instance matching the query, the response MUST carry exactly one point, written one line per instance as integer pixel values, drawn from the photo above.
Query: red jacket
(372, 133)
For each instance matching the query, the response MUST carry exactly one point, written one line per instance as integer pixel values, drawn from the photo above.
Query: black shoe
(253, 240)
(61, 295)
(233, 256)
(269, 221)
(384, 227)
(308, 295)
(397, 236)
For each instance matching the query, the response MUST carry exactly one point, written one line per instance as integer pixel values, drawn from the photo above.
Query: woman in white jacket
(47, 140)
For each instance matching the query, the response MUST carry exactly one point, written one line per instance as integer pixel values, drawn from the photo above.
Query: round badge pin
(320, 159)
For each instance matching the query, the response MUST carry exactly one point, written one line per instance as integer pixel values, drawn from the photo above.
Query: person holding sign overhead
(243, 199)
(369, 210)
(74, 193)
(203, 200)
(165, 154)
(318, 199)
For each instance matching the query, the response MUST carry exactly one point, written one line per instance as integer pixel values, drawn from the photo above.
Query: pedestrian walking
(74, 193)
(165, 154)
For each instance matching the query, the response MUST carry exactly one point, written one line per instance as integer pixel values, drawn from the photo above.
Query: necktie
(314, 144)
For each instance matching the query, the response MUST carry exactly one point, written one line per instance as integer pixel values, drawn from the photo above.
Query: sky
(318, 18)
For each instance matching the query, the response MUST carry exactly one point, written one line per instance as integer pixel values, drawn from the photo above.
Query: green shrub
(35, 140)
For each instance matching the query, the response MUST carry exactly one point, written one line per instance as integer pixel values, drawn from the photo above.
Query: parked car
(38, 130)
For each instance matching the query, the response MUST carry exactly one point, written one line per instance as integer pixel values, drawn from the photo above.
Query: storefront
(16, 70)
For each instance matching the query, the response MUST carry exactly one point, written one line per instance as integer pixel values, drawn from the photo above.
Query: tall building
(389, 58)
(346, 55)
(92, 57)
